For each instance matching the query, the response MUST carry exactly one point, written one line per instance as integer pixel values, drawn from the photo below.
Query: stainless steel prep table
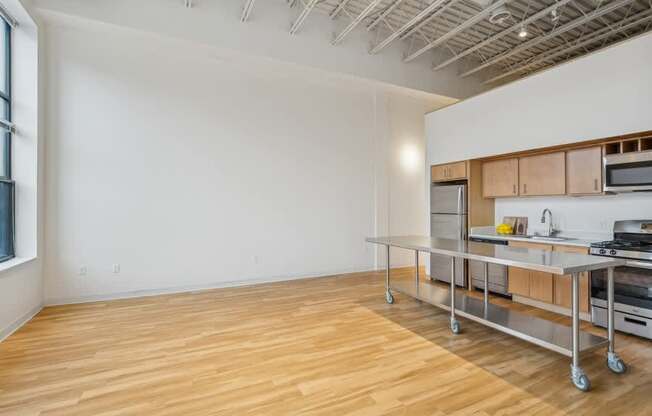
(568, 341)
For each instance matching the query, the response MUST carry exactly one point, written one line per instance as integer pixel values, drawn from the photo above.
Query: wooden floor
(327, 346)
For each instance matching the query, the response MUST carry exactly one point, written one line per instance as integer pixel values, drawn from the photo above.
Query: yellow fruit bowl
(504, 229)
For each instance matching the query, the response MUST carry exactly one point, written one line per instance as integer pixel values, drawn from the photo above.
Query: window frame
(6, 97)
(8, 223)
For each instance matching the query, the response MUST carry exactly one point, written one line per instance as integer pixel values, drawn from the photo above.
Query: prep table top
(555, 262)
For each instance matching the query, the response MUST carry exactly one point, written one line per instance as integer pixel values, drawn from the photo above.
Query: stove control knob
(613, 252)
(603, 251)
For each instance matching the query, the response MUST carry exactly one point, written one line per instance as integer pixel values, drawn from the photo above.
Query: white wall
(600, 95)
(191, 171)
(217, 23)
(21, 283)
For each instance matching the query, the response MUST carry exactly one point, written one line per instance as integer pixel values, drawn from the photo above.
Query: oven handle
(641, 264)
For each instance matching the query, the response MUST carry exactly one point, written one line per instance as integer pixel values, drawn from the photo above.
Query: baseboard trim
(199, 288)
(585, 316)
(18, 323)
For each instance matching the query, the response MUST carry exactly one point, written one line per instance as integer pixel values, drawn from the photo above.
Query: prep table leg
(388, 293)
(455, 325)
(614, 362)
(416, 272)
(486, 288)
(578, 376)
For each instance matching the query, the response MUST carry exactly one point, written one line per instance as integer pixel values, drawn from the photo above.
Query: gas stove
(632, 282)
(632, 240)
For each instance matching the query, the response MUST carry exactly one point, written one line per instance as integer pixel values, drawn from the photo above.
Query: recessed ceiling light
(522, 33)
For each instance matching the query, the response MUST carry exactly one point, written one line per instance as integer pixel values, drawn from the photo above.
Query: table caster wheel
(455, 326)
(389, 298)
(616, 364)
(580, 380)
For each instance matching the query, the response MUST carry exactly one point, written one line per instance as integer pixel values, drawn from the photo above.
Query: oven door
(632, 288)
(628, 172)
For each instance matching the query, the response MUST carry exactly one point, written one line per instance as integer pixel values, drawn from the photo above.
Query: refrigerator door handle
(459, 201)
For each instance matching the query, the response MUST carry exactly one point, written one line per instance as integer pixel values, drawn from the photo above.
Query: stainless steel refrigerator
(448, 219)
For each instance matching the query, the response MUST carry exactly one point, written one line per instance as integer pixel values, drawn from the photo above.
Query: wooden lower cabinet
(519, 281)
(563, 290)
(541, 286)
(531, 284)
(546, 287)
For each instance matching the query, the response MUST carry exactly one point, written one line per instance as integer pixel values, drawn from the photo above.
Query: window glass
(4, 38)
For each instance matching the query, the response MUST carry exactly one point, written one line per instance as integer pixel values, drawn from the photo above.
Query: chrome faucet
(551, 231)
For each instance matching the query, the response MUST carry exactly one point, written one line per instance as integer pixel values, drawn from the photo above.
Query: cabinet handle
(595, 184)
(525, 188)
(514, 189)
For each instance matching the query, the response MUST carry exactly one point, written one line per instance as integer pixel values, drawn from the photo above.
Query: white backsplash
(585, 215)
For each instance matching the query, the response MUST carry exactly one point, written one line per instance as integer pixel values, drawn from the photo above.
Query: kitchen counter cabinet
(543, 174)
(562, 284)
(530, 283)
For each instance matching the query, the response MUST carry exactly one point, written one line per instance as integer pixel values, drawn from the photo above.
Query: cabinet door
(439, 173)
(584, 171)
(518, 281)
(541, 286)
(543, 174)
(500, 178)
(562, 284)
(448, 172)
(457, 170)
(535, 285)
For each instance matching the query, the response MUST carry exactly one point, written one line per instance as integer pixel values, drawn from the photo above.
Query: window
(6, 128)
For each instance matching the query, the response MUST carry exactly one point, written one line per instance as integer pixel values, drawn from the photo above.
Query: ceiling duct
(500, 15)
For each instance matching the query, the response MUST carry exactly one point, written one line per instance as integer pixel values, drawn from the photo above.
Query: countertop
(555, 262)
(578, 239)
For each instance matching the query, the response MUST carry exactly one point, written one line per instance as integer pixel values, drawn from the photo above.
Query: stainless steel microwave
(628, 172)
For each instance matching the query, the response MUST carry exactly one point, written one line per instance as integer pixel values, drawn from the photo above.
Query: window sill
(16, 261)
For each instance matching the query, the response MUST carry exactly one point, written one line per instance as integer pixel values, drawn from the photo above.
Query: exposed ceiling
(498, 40)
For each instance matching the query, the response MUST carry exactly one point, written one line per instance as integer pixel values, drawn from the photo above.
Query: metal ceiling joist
(501, 34)
(467, 24)
(384, 14)
(338, 9)
(626, 24)
(355, 22)
(246, 10)
(415, 20)
(555, 32)
(307, 8)
(427, 20)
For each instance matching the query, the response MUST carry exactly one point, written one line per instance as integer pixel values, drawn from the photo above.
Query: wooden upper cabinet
(584, 171)
(448, 172)
(543, 174)
(500, 178)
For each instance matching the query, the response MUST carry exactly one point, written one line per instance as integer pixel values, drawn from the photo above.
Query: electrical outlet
(116, 268)
(83, 270)
(255, 259)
